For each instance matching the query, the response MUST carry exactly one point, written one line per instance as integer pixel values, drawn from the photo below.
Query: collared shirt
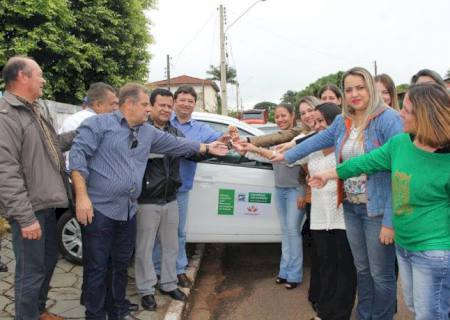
(103, 154)
(196, 131)
(72, 122)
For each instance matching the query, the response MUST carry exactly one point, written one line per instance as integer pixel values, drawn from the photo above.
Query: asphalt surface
(238, 282)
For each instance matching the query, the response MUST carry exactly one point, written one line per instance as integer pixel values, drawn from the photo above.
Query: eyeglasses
(134, 141)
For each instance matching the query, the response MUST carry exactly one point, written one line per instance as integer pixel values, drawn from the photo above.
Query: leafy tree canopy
(401, 88)
(266, 105)
(77, 42)
(293, 97)
(214, 73)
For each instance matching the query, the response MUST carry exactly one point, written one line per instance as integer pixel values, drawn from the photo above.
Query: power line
(196, 35)
(295, 42)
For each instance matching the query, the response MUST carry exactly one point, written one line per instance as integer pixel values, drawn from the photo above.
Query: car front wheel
(69, 237)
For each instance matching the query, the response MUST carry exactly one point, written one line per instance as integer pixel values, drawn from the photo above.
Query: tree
(214, 72)
(78, 42)
(266, 105)
(289, 97)
(293, 97)
(448, 74)
(234, 114)
(402, 88)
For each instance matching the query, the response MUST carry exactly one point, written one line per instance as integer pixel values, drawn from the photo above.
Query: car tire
(69, 237)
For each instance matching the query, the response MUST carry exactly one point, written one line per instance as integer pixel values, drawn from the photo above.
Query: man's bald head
(23, 77)
(14, 66)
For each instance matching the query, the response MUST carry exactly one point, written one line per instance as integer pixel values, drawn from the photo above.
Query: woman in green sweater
(419, 161)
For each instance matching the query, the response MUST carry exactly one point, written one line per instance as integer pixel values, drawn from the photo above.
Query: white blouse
(325, 215)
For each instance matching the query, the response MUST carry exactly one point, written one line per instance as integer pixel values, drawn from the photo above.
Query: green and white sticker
(259, 197)
(226, 202)
(244, 202)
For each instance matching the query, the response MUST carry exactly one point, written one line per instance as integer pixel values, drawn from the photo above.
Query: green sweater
(420, 191)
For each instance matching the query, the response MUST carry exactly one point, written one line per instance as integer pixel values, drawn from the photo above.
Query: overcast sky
(282, 45)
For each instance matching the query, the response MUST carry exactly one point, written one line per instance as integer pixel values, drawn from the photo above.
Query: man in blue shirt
(185, 98)
(107, 164)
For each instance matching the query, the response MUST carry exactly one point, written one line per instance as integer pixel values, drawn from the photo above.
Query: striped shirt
(197, 131)
(112, 159)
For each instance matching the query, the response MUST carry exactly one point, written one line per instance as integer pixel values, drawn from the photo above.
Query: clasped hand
(218, 148)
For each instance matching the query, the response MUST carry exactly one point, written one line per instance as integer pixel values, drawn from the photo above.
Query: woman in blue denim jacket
(366, 124)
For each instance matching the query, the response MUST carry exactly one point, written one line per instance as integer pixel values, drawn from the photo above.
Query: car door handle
(207, 179)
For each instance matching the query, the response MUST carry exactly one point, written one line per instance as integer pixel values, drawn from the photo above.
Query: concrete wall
(59, 111)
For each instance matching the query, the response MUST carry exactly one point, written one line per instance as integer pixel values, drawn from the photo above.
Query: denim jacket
(381, 127)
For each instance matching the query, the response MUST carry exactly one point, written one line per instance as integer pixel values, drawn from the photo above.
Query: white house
(207, 90)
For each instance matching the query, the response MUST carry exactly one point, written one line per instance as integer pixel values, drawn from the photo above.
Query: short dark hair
(159, 92)
(12, 68)
(131, 91)
(97, 92)
(186, 90)
(330, 87)
(428, 73)
(329, 111)
(289, 108)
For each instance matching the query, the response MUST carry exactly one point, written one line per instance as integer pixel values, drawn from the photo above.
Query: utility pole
(375, 67)
(168, 72)
(223, 67)
(223, 62)
(237, 96)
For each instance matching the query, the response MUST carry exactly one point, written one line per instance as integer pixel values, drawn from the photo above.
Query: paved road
(64, 296)
(237, 282)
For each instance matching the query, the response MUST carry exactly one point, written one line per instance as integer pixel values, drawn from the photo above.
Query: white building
(207, 90)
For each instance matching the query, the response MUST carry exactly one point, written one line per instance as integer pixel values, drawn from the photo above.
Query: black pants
(35, 263)
(314, 280)
(109, 244)
(336, 273)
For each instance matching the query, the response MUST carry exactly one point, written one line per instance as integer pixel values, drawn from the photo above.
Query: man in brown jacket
(32, 184)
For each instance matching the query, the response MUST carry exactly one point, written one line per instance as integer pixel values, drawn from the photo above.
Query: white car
(267, 128)
(232, 199)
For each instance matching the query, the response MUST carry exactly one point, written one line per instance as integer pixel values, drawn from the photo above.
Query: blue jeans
(108, 244)
(425, 277)
(35, 263)
(291, 220)
(182, 260)
(374, 262)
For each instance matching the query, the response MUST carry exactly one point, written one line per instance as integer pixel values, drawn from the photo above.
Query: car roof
(266, 125)
(212, 117)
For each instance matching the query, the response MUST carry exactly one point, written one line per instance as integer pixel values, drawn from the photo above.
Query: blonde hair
(375, 100)
(431, 106)
(312, 102)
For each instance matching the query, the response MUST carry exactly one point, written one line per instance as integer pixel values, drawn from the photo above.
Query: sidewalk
(64, 296)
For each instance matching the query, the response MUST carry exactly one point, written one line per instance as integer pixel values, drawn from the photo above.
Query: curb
(176, 308)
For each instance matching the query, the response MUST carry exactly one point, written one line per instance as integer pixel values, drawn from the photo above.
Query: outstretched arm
(320, 179)
(272, 139)
(376, 160)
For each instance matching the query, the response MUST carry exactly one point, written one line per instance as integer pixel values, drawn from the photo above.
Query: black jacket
(162, 176)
